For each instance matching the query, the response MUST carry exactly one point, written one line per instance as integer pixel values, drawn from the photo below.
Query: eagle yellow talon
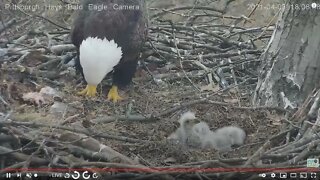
(89, 91)
(113, 94)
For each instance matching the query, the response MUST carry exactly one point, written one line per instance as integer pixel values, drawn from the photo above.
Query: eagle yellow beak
(113, 94)
(90, 91)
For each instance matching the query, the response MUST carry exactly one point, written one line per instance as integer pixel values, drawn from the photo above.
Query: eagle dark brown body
(127, 27)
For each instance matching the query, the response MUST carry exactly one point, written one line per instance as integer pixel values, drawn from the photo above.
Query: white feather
(98, 57)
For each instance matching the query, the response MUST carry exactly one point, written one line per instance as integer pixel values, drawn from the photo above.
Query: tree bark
(291, 62)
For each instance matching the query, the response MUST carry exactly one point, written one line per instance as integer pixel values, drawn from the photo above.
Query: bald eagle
(109, 35)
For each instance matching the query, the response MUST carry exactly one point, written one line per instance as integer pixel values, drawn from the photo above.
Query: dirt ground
(144, 97)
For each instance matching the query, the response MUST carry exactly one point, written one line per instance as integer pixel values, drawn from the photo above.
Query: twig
(180, 59)
(110, 165)
(164, 11)
(127, 118)
(7, 25)
(102, 135)
(315, 106)
(24, 157)
(3, 101)
(205, 100)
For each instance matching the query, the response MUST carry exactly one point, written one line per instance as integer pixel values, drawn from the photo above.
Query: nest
(207, 62)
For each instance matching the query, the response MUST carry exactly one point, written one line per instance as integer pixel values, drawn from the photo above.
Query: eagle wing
(125, 27)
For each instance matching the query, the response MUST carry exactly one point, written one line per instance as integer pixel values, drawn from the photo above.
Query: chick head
(189, 123)
(186, 116)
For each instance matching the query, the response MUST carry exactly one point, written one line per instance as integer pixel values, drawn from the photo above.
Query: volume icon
(263, 175)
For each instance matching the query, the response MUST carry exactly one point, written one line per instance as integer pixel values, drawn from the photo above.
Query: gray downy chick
(237, 135)
(184, 134)
(224, 138)
(202, 130)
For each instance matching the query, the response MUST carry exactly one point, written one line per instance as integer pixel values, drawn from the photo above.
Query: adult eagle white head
(109, 35)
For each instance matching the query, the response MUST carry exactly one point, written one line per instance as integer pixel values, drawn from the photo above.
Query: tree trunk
(291, 63)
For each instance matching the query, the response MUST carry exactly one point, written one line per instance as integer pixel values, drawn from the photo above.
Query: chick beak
(192, 122)
(195, 121)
